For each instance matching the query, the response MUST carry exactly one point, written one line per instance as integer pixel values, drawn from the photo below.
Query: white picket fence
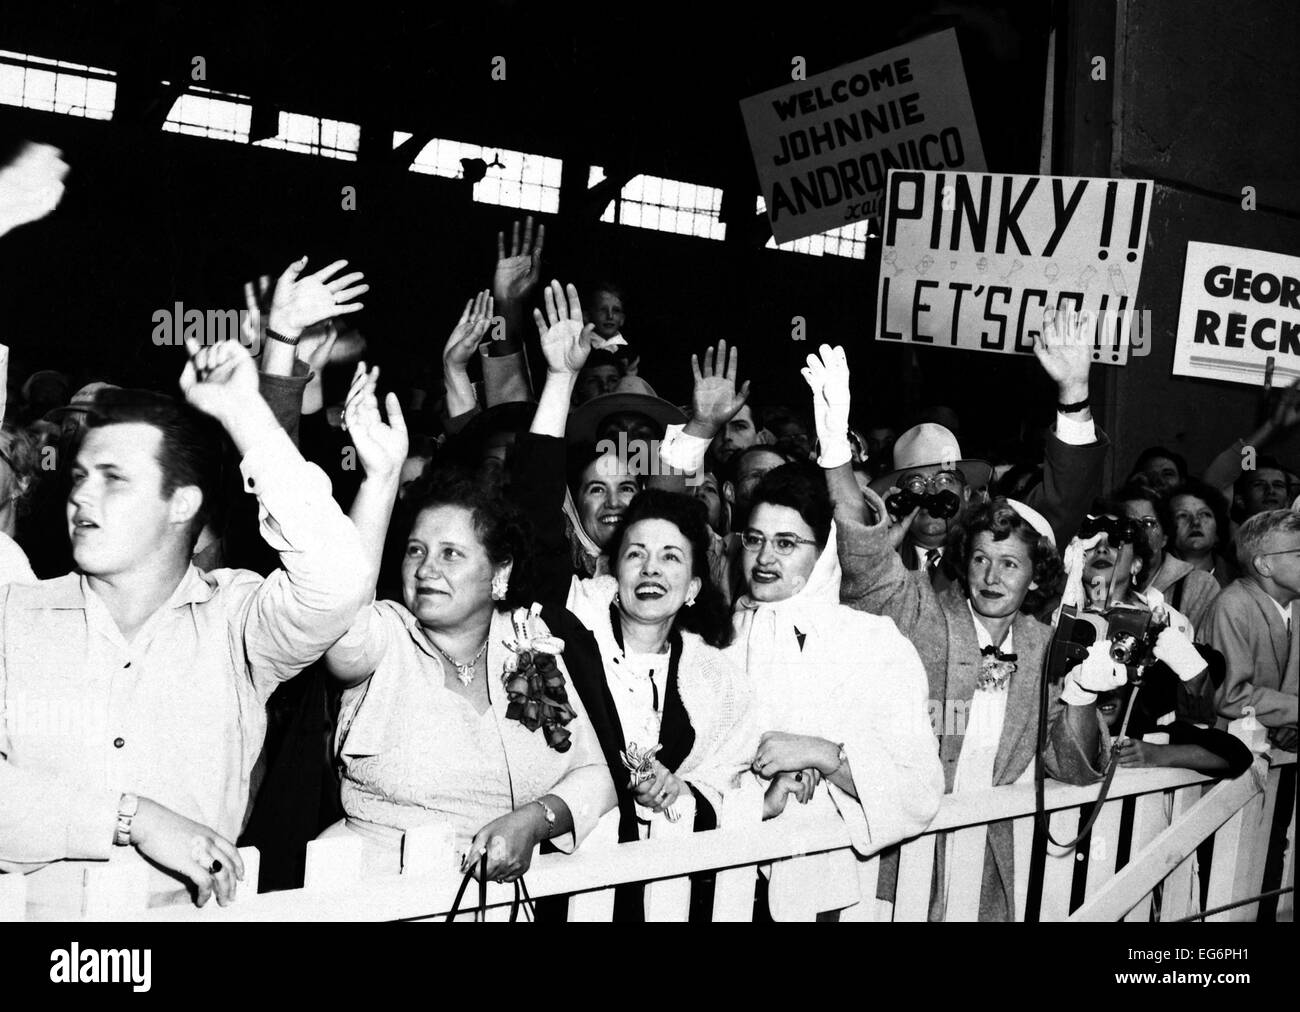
(1175, 811)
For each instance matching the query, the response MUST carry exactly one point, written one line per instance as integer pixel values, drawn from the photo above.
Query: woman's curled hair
(505, 533)
(1000, 519)
(708, 618)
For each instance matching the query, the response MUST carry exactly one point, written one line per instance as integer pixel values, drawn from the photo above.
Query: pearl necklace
(464, 672)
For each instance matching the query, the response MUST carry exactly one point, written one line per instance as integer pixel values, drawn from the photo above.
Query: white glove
(1097, 673)
(1179, 653)
(828, 377)
(31, 186)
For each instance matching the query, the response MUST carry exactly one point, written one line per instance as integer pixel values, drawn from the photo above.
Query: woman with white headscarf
(839, 696)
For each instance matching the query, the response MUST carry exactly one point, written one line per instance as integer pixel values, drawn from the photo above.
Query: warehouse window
(512, 178)
(72, 89)
(668, 205)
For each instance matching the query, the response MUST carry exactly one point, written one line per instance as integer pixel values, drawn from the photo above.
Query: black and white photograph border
(685, 463)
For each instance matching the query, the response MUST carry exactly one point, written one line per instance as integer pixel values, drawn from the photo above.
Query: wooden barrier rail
(1174, 812)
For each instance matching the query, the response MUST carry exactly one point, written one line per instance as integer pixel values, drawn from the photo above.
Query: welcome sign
(823, 147)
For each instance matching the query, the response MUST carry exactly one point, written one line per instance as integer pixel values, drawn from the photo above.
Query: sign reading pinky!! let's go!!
(970, 260)
(1240, 307)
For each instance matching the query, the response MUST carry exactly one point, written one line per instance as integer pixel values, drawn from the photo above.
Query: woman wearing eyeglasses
(840, 698)
(1186, 588)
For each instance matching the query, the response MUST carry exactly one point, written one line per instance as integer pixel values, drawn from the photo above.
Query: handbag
(522, 899)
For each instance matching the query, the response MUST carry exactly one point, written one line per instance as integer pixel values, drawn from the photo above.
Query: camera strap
(1040, 770)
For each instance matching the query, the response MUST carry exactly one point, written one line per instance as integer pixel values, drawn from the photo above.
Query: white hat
(1034, 519)
(931, 445)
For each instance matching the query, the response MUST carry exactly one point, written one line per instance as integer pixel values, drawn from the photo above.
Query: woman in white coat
(840, 698)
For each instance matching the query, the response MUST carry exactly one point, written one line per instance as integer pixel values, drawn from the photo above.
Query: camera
(940, 505)
(1131, 632)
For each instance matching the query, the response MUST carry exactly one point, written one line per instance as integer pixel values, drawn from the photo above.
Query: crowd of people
(529, 606)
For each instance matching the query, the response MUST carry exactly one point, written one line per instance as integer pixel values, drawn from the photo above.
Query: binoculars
(940, 505)
(1118, 531)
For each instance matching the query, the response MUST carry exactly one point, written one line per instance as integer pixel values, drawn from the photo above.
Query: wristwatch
(126, 809)
(550, 814)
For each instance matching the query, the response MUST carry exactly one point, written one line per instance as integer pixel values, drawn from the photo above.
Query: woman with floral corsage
(672, 712)
(458, 709)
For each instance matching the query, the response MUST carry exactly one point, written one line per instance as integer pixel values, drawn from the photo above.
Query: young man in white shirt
(133, 691)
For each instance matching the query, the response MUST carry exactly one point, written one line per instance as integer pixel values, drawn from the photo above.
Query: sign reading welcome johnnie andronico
(823, 147)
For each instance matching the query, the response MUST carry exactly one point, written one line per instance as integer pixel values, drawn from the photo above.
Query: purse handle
(480, 914)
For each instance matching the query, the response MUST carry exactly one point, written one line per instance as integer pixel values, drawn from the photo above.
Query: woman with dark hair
(1197, 519)
(447, 690)
(1188, 589)
(839, 696)
(982, 650)
(600, 485)
(656, 616)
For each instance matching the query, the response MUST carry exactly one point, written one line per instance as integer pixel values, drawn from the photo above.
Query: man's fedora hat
(931, 445)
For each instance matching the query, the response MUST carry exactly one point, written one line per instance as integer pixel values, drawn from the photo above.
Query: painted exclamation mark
(1107, 218)
(1135, 227)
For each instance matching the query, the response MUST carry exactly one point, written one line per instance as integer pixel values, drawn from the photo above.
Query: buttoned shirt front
(178, 714)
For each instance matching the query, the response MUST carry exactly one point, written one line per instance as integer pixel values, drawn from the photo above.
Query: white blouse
(637, 684)
(414, 753)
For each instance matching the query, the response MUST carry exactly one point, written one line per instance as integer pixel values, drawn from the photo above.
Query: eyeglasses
(944, 481)
(782, 544)
(1146, 523)
(1284, 551)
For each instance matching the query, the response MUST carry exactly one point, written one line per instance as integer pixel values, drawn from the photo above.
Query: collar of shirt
(192, 589)
(982, 636)
(923, 555)
(1283, 610)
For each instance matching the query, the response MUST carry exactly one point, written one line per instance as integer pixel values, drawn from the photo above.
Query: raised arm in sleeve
(1072, 475)
(875, 580)
(304, 607)
(537, 487)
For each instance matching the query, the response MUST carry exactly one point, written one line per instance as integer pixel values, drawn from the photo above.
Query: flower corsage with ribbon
(534, 683)
(996, 668)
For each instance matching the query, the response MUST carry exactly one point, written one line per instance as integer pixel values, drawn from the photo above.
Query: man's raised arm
(302, 608)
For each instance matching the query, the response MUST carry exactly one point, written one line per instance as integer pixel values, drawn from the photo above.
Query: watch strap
(274, 336)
